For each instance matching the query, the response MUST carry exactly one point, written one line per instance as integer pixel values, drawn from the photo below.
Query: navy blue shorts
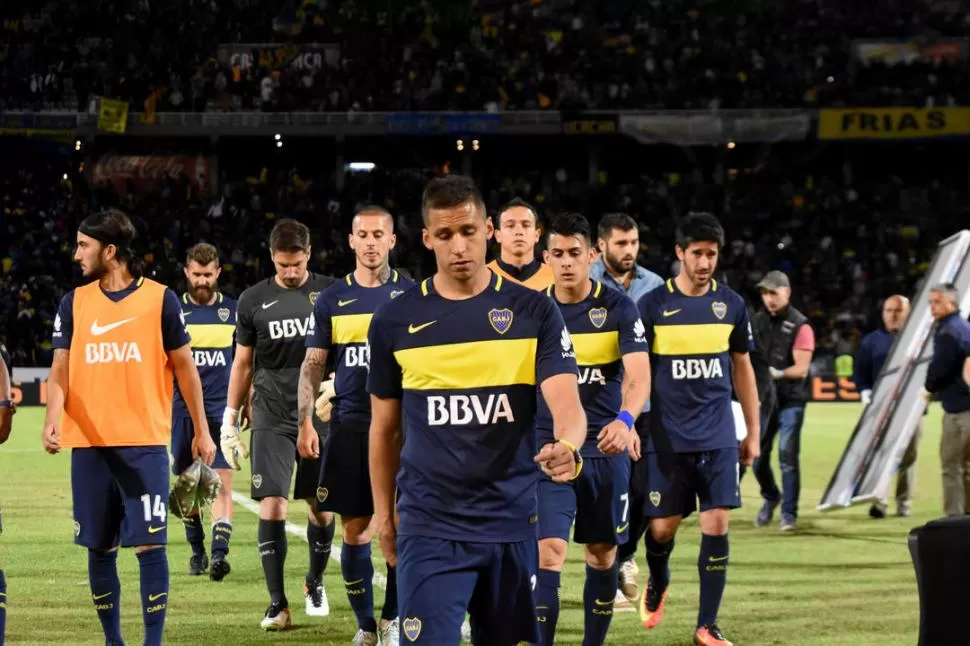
(344, 471)
(599, 501)
(120, 496)
(438, 580)
(183, 432)
(676, 482)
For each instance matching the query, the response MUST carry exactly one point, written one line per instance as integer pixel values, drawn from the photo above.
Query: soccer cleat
(765, 514)
(316, 599)
(877, 511)
(198, 564)
(364, 639)
(390, 632)
(628, 580)
(710, 636)
(652, 606)
(220, 567)
(466, 632)
(277, 618)
(788, 523)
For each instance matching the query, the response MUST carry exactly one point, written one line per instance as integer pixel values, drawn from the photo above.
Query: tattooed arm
(311, 374)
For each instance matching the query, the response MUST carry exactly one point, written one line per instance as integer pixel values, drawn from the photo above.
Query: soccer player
(614, 382)
(274, 317)
(117, 342)
(342, 316)
(517, 234)
(699, 336)
(455, 363)
(7, 410)
(211, 322)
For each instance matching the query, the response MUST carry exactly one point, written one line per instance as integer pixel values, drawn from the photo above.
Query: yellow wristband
(576, 456)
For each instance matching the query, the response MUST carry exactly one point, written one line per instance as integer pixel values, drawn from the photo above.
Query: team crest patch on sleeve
(501, 320)
(223, 313)
(597, 316)
(412, 628)
(322, 494)
(720, 309)
(313, 297)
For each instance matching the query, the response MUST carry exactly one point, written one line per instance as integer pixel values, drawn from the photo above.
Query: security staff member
(789, 345)
(944, 381)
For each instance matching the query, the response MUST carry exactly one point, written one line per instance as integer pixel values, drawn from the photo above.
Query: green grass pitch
(842, 580)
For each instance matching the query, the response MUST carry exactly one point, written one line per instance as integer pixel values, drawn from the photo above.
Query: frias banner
(893, 123)
(717, 128)
(275, 56)
(904, 52)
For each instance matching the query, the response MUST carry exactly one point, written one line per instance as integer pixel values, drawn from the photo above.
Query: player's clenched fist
(202, 444)
(750, 449)
(51, 438)
(614, 438)
(230, 439)
(560, 461)
(308, 442)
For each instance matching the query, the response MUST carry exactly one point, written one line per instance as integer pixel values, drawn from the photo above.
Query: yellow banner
(893, 123)
(113, 116)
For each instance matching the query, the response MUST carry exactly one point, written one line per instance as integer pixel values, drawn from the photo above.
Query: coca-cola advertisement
(146, 172)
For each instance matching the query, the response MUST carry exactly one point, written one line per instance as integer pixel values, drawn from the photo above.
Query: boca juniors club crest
(322, 494)
(597, 316)
(720, 309)
(223, 313)
(655, 498)
(501, 321)
(313, 297)
(412, 628)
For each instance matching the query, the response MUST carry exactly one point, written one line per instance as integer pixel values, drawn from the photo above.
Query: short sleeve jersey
(342, 316)
(691, 341)
(275, 321)
(604, 327)
(466, 373)
(212, 328)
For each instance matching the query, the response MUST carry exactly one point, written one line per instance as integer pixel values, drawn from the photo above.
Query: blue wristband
(626, 418)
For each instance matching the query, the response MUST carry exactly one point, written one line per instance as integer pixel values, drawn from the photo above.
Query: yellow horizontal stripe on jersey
(596, 348)
(707, 338)
(211, 335)
(476, 364)
(350, 328)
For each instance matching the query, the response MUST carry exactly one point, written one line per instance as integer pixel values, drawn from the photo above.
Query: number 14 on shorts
(156, 510)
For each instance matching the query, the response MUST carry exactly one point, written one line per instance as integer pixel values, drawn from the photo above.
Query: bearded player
(699, 337)
(342, 315)
(118, 340)
(614, 383)
(274, 317)
(210, 319)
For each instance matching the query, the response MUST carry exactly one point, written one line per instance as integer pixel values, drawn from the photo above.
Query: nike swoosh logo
(266, 306)
(621, 528)
(156, 597)
(602, 603)
(155, 530)
(98, 330)
(342, 303)
(417, 328)
(267, 543)
(100, 596)
(353, 582)
(184, 313)
(670, 313)
(715, 559)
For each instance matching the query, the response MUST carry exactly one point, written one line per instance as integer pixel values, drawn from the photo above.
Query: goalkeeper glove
(230, 439)
(324, 403)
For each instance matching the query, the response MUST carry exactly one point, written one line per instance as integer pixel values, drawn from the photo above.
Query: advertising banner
(149, 171)
(893, 123)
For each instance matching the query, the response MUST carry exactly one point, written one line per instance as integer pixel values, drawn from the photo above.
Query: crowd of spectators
(846, 239)
(479, 54)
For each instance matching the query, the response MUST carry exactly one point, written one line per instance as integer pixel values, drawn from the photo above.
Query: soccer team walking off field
(472, 422)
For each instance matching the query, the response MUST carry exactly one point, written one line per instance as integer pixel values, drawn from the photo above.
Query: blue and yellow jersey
(466, 373)
(604, 327)
(343, 314)
(691, 339)
(212, 328)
